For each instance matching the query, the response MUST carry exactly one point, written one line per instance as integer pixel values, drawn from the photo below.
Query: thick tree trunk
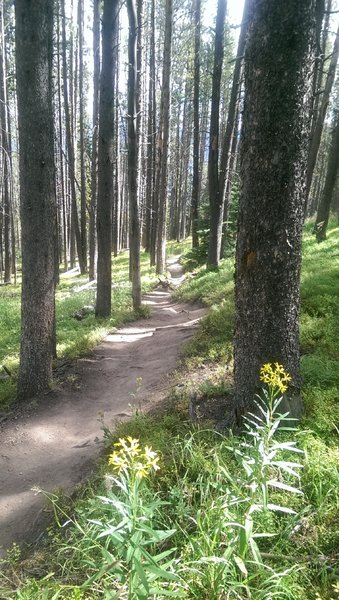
(134, 231)
(215, 197)
(105, 160)
(271, 207)
(34, 45)
(331, 176)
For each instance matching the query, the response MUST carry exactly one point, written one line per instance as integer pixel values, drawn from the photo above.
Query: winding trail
(56, 441)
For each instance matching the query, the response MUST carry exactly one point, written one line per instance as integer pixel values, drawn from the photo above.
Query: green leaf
(255, 551)
(165, 575)
(284, 509)
(141, 573)
(283, 486)
(240, 564)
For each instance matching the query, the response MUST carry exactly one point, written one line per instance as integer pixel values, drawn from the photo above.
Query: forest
(169, 299)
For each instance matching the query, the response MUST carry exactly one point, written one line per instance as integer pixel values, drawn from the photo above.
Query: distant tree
(273, 160)
(70, 147)
(320, 119)
(330, 181)
(163, 141)
(133, 156)
(34, 31)
(82, 150)
(105, 160)
(5, 151)
(215, 197)
(95, 116)
(229, 142)
(196, 124)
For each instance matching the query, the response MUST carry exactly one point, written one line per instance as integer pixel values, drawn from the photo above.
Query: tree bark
(6, 172)
(70, 148)
(273, 159)
(215, 197)
(164, 119)
(134, 231)
(95, 125)
(34, 45)
(83, 207)
(105, 160)
(196, 131)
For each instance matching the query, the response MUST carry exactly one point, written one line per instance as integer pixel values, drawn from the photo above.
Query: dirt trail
(55, 443)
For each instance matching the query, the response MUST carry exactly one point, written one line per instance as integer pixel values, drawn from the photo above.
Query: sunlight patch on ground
(130, 336)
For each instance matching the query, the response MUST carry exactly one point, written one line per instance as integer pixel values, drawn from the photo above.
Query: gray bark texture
(271, 206)
(34, 25)
(94, 165)
(196, 128)
(105, 161)
(134, 231)
(5, 150)
(215, 197)
(164, 120)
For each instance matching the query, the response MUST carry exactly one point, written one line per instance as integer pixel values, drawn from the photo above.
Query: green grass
(74, 338)
(198, 466)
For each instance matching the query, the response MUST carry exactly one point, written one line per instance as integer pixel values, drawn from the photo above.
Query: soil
(55, 440)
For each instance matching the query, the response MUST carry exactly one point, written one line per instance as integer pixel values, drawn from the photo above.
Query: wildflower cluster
(275, 376)
(130, 457)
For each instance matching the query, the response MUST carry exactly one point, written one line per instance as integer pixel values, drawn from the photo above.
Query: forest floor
(53, 442)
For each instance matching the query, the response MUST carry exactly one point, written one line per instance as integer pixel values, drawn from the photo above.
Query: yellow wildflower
(130, 446)
(118, 461)
(275, 376)
(151, 458)
(141, 470)
(133, 458)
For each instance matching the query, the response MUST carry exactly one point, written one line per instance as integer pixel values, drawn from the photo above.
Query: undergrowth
(209, 487)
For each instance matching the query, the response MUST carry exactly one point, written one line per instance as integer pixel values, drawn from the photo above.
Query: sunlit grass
(190, 479)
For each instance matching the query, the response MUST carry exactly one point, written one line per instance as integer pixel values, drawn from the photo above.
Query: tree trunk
(272, 199)
(331, 176)
(151, 133)
(318, 128)
(232, 119)
(152, 153)
(134, 231)
(164, 119)
(215, 198)
(70, 148)
(105, 160)
(34, 45)
(6, 173)
(196, 132)
(94, 165)
(83, 207)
